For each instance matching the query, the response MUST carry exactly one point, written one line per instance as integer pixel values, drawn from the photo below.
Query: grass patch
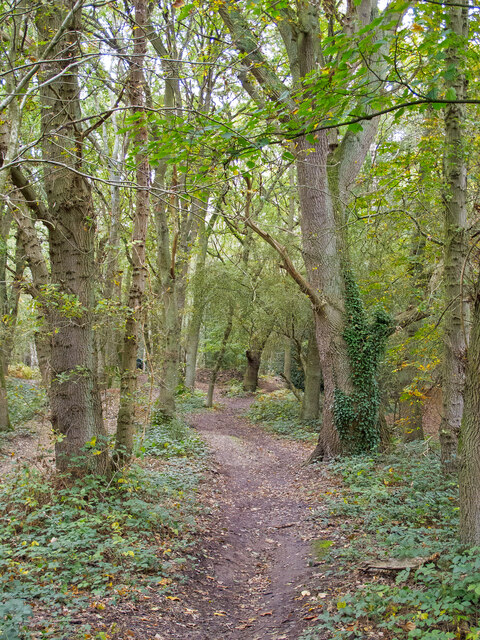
(189, 401)
(401, 506)
(279, 412)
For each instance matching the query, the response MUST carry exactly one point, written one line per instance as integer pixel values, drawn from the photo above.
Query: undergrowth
(65, 541)
(279, 412)
(170, 438)
(25, 400)
(401, 506)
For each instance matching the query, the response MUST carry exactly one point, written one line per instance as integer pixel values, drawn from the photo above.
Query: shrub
(279, 412)
(401, 505)
(25, 400)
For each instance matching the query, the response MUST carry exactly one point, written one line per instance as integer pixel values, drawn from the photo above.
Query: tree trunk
(455, 211)
(170, 352)
(40, 278)
(324, 180)
(313, 381)
(469, 450)
(287, 360)
(128, 377)
(198, 304)
(74, 396)
(250, 378)
(324, 252)
(219, 360)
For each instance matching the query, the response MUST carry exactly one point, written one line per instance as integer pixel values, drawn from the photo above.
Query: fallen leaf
(219, 613)
(267, 613)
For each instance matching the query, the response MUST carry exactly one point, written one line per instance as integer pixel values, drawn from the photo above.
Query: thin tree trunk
(310, 409)
(128, 379)
(455, 211)
(219, 360)
(198, 304)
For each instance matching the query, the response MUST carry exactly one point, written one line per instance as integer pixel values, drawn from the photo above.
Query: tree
(455, 211)
(326, 168)
(128, 374)
(74, 395)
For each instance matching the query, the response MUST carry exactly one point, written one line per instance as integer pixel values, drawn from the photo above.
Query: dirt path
(256, 550)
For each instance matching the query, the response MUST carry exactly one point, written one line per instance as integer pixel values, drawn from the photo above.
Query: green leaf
(355, 127)
(451, 94)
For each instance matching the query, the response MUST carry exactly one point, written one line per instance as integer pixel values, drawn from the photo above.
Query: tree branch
(317, 301)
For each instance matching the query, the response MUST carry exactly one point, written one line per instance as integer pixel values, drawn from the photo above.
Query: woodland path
(255, 552)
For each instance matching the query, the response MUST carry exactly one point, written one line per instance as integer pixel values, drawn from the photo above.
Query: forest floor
(254, 569)
(255, 553)
(249, 543)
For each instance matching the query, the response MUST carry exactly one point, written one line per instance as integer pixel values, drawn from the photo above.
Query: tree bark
(455, 221)
(310, 409)
(74, 395)
(128, 377)
(469, 450)
(219, 360)
(250, 378)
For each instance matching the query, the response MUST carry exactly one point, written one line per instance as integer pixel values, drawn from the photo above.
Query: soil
(254, 569)
(255, 555)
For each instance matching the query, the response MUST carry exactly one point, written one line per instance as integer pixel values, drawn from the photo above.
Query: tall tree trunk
(110, 337)
(219, 359)
(128, 378)
(469, 450)
(198, 304)
(455, 212)
(74, 396)
(310, 409)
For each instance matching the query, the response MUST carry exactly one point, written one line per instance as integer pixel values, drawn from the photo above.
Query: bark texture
(455, 212)
(250, 377)
(74, 396)
(128, 375)
(469, 472)
(310, 409)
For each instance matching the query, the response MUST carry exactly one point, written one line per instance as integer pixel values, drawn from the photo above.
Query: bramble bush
(401, 506)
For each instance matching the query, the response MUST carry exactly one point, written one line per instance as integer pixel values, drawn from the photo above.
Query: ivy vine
(356, 415)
